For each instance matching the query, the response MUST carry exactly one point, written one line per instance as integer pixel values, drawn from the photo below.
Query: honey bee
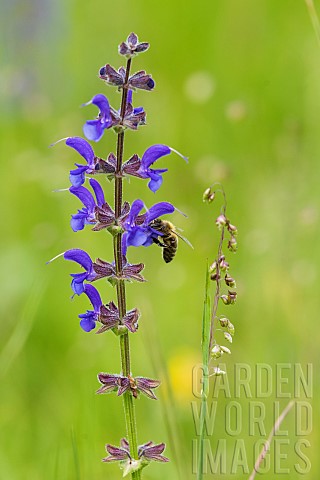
(169, 238)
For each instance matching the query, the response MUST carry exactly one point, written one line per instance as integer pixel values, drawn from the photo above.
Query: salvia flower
(89, 275)
(89, 319)
(87, 214)
(132, 46)
(94, 129)
(141, 168)
(111, 383)
(137, 227)
(94, 164)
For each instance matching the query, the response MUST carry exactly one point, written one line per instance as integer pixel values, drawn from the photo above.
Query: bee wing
(184, 239)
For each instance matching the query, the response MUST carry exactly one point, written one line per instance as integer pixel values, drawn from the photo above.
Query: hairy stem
(121, 290)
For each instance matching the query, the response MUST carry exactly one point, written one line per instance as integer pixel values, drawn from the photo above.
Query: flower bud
(230, 298)
(221, 221)
(216, 351)
(230, 328)
(223, 265)
(217, 372)
(213, 267)
(232, 229)
(215, 277)
(206, 195)
(228, 337)
(225, 349)
(224, 322)
(230, 282)
(225, 299)
(232, 244)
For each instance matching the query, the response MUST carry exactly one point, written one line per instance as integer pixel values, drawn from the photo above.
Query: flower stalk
(211, 350)
(128, 228)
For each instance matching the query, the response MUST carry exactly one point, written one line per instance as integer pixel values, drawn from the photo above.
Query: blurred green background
(237, 90)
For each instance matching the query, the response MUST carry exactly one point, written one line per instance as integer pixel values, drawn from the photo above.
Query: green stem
(205, 341)
(128, 401)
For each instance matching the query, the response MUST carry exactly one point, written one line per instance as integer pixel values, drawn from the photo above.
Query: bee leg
(157, 242)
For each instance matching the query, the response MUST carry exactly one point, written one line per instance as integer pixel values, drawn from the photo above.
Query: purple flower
(82, 258)
(132, 46)
(77, 176)
(117, 454)
(129, 271)
(137, 227)
(133, 117)
(105, 216)
(111, 76)
(111, 382)
(93, 129)
(89, 319)
(117, 78)
(148, 451)
(141, 80)
(87, 214)
(141, 168)
(110, 318)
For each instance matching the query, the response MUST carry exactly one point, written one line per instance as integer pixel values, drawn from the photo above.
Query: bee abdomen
(170, 249)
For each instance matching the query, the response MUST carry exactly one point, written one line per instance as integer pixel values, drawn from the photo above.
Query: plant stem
(128, 404)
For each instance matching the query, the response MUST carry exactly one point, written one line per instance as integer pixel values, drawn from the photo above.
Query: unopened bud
(224, 322)
(232, 229)
(230, 328)
(225, 349)
(228, 337)
(217, 372)
(230, 282)
(225, 299)
(221, 221)
(215, 277)
(206, 195)
(230, 298)
(223, 264)
(232, 244)
(213, 267)
(216, 351)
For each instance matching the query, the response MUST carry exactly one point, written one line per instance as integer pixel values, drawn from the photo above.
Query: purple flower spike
(81, 257)
(87, 214)
(141, 168)
(89, 319)
(137, 227)
(94, 129)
